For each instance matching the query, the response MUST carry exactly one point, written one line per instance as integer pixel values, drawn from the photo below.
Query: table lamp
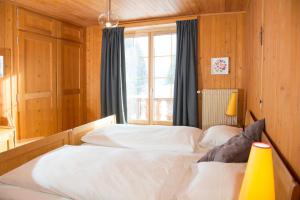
(232, 105)
(258, 182)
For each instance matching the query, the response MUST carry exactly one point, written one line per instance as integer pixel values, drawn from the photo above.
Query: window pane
(174, 43)
(128, 43)
(137, 109)
(137, 77)
(173, 67)
(162, 45)
(163, 88)
(141, 44)
(162, 67)
(136, 50)
(164, 71)
(163, 109)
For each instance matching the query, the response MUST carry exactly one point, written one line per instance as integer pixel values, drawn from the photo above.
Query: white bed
(103, 173)
(125, 162)
(146, 137)
(94, 172)
(120, 162)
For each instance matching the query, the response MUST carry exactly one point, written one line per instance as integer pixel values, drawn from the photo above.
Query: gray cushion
(237, 149)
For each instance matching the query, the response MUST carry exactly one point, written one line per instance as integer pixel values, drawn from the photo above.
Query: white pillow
(151, 137)
(213, 181)
(218, 135)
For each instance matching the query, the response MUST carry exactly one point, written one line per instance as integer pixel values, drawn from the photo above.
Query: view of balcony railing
(138, 109)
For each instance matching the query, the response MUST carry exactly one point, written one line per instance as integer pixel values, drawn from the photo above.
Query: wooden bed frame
(286, 186)
(15, 157)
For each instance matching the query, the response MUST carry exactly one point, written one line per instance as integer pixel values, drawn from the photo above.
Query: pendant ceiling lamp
(108, 19)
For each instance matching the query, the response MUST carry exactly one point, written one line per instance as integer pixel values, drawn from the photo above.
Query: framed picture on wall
(220, 65)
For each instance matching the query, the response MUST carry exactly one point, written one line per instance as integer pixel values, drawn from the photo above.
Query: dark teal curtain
(185, 107)
(113, 74)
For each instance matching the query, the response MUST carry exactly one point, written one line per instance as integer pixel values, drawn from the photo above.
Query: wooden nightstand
(6, 133)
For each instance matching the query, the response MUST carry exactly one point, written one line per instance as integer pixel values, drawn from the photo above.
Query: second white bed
(93, 172)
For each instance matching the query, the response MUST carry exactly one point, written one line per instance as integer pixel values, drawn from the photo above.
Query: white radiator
(214, 106)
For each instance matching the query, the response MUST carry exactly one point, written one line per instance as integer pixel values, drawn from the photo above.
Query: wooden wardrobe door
(71, 85)
(37, 88)
(33, 22)
(71, 32)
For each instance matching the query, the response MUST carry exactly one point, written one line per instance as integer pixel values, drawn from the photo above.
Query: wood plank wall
(274, 72)
(222, 36)
(8, 82)
(93, 59)
(5, 107)
(219, 35)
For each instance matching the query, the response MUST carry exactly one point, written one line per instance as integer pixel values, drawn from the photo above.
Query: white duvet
(213, 181)
(92, 172)
(150, 137)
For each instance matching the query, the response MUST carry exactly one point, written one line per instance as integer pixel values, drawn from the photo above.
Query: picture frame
(220, 66)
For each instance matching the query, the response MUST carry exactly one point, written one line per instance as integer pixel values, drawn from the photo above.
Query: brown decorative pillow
(237, 149)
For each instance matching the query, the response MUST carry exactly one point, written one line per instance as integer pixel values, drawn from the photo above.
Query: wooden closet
(50, 75)
(71, 81)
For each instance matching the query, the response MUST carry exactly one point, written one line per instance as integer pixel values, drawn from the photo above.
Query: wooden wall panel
(279, 71)
(93, 59)
(8, 82)
(2, 24)
(254, 56)
(221, 36)
(5, 88)
(5, 81)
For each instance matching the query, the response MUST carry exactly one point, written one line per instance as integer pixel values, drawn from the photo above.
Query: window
(150, 72)
(137, 75)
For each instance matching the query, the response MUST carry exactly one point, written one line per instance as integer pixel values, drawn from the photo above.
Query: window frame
(150, 32)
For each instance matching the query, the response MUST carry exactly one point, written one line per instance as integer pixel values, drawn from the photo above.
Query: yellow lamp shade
(232, 105)
(258, 182)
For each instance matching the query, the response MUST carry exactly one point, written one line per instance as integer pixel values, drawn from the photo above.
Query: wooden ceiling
(86, 12)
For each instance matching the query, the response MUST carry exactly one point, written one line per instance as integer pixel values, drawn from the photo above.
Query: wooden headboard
(286, 186)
